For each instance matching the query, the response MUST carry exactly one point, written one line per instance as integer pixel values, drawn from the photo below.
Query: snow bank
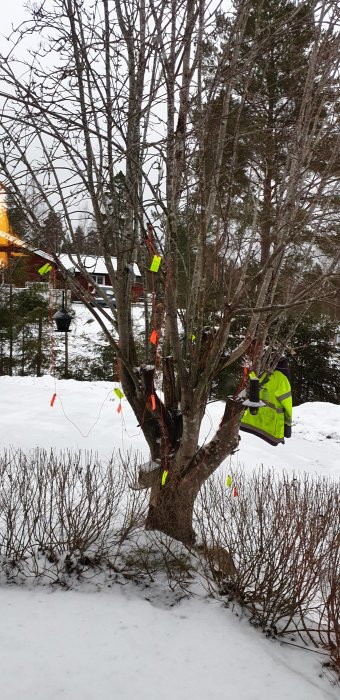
(85, 417)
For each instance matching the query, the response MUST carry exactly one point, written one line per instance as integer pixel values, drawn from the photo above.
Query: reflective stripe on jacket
(270, 420)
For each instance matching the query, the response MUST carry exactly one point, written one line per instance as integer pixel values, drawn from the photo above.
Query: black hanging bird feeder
(254, 402)
(62, 319)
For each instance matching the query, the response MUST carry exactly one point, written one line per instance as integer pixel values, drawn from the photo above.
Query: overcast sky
(12, 12)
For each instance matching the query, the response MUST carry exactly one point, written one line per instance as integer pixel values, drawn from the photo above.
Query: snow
(85, 417)
(86, 331)
(82, 646)
(92, 264)
(105, 642)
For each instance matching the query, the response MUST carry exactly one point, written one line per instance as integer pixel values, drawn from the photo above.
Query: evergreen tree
(79, 240)
(16, 216)
(314, 361)
(115, 203)
(51, 235)
(24, 323)
(264, 109)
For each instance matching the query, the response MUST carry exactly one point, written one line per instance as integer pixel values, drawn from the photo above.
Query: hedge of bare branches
(282, 536)
(62, 513)
(66, 516)
(273, 549)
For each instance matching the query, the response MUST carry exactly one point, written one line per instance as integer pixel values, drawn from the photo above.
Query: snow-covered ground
(114, 643)
(85, 416)
(99, 646)
(86, 331)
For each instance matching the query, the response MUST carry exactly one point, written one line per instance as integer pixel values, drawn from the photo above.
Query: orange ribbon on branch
(154, 337)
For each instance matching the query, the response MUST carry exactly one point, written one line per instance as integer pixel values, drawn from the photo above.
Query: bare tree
(133, 87)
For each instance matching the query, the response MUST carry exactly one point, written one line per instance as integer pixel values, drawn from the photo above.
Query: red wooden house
(95, 266)
(26, 265)
(22, 264)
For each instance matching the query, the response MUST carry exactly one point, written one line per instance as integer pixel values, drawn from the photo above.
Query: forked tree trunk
(172, 498)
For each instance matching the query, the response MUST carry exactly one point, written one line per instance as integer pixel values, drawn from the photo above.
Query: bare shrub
(329, 618)
(278, 532)
(61, 512)
(273, 548)
(66, 515)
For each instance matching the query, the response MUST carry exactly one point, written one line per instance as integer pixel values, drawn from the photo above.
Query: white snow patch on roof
(94, 265)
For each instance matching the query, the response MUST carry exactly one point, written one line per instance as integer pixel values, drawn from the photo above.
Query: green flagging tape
(154, 267)
(164, 476)
(119, 393)
(228, 480)
(45, 269)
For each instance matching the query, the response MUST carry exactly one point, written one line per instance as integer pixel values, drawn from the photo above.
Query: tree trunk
(39, 349)
(10, 371)
(174, 489)
(23, 352)
(171, 509)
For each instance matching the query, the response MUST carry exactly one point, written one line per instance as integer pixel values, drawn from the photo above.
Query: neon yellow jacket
(269, 423)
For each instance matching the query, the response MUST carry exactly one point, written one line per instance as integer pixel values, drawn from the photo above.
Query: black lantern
(254, 402)
(62, 319)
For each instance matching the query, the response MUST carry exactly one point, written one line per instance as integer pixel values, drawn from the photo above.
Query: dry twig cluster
(282, 538)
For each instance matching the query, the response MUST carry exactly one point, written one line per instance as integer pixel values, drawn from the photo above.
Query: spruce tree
(16, 216)
(24, 327)
(314, 361)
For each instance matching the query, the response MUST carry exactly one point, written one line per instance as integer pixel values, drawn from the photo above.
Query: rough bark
(171, 510)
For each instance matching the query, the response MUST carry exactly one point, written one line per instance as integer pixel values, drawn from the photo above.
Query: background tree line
(25, 349)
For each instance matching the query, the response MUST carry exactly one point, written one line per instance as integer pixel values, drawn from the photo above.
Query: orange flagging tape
(154, 337)
(153, 402)
(119, 408)
(53, 400)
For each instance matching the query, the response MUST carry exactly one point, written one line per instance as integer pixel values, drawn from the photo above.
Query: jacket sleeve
(284, 396)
